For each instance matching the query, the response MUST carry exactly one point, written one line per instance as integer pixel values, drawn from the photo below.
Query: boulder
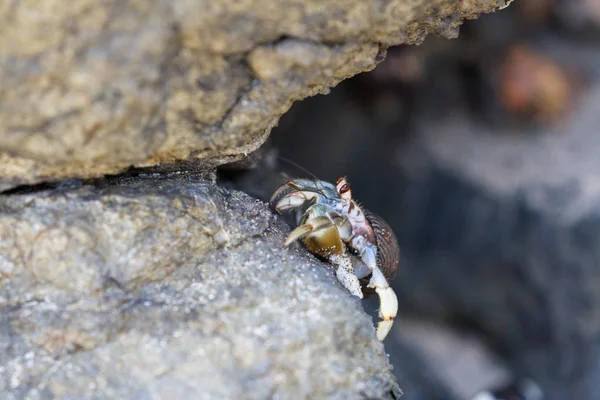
(92, 88)
(170, 286)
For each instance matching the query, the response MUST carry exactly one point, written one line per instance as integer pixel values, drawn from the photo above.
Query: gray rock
(461, 363)
(501, 233)
(94, 87)
(170, 286)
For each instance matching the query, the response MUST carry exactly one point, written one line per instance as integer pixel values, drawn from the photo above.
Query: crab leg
(295, 199)
(309, 189)
(388, 303)
(388, 300)
(345, 273)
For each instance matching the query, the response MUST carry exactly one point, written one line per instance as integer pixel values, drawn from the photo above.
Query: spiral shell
(388, 251)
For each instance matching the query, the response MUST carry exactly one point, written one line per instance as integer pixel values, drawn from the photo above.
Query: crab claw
(387, 311)
(388, 303)
(313, 225)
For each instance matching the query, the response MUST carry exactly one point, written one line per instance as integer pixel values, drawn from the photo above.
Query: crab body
(356, 242)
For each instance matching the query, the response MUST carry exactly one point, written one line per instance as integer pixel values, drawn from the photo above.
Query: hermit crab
(360, 245)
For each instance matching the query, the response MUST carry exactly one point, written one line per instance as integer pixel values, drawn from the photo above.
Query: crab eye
(344, 189)
(340, 183)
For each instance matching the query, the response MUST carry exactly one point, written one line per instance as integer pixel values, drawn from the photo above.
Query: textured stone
(169, 286)
(94, 87)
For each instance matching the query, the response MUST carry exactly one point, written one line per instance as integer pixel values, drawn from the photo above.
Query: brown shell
(388, 251)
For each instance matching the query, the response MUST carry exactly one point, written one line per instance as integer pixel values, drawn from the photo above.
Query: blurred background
(483, 153)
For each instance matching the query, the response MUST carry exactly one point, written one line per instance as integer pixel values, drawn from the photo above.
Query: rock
(170, 286)
(500, 233)
(92, 88)
(462, 363)
(416, 376)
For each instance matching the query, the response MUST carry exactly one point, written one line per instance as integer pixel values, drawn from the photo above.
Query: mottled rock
(461, 363)
(500, 233)
(170, 286)
(94, 87)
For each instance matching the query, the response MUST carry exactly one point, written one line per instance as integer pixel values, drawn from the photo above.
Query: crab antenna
(295, 164)
(301, 168)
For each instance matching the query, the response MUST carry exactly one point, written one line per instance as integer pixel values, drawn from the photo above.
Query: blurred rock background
(483, 153)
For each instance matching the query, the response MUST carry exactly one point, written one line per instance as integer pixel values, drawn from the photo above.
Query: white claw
(387, 310)
(383, 328)
(389, 303)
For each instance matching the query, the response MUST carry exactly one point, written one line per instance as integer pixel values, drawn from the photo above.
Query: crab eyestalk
(343, 188)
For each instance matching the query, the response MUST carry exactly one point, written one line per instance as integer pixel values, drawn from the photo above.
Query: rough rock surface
(169, 286)
(94, 87)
